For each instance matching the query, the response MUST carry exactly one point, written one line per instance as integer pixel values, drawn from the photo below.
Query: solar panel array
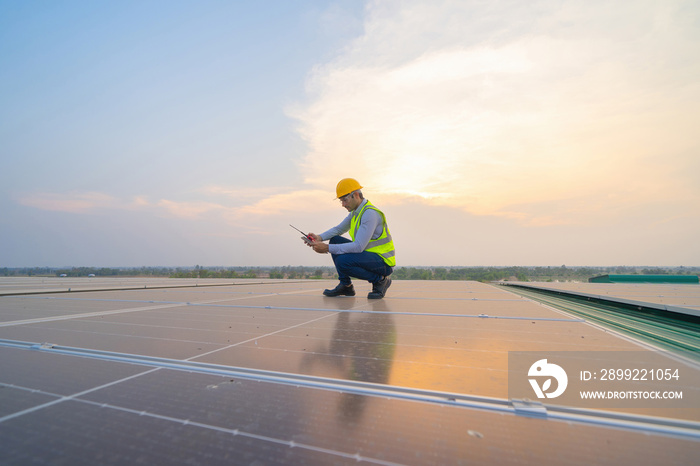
(272, 372)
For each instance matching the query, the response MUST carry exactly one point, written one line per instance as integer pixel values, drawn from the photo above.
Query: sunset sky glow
(490, 133)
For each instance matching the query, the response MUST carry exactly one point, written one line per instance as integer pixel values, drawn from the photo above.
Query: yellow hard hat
(346, 186)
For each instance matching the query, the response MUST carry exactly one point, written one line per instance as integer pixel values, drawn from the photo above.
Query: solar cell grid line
(690, 429)
(159, 307)
(160, 339)
(355, 457)
(99, 337)
(427, 430)
(455, 299)
(63, 398)
(77, 285)
(287, 308)
(236, 432)
(164, 305)
(260, 337)
(642, 423)
(394, 296)
(287, 352)
(66, 398)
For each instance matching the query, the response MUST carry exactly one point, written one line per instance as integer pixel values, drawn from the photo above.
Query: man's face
(350, 201)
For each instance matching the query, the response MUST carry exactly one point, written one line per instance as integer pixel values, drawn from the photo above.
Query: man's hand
(321, 248)
(317, 244)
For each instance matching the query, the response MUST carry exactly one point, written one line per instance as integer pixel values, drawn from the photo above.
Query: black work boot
(340, 290)
(379, 288)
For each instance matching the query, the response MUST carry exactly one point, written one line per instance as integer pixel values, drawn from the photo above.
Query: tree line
(524, 274)
(484, 274)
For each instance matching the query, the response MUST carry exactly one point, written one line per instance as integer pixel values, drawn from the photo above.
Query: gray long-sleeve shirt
(371, 227)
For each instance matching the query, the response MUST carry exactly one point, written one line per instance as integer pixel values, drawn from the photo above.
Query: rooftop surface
(167, 371)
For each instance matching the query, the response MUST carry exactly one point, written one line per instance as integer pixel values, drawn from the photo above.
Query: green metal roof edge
(631, 278)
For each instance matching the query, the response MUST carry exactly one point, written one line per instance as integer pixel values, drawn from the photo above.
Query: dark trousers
(363, 265)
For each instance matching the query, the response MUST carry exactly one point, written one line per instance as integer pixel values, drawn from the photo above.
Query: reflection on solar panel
(272, 372)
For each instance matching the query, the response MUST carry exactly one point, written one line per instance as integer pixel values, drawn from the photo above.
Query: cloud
(189, 210)
(504, 109)
(237, 206)
(72, 202)
(289, 202)
(247, 193)
(77, 202)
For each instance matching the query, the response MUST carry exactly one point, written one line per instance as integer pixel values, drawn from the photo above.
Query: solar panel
(272, 372)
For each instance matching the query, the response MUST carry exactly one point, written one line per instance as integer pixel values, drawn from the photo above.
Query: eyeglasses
(346, 197)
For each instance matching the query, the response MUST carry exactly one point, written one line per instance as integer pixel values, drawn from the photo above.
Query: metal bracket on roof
(529, 408)
(42, 346)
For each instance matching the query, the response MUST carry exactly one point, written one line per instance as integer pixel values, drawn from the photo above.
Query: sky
(499, 133)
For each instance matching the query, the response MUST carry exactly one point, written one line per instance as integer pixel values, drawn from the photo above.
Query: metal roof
(684, 298)
(645, 279)
(271, 372)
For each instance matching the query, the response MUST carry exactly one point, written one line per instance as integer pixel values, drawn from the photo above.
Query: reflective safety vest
(384, 245)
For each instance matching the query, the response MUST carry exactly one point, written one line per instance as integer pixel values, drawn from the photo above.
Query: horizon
(636, 266)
